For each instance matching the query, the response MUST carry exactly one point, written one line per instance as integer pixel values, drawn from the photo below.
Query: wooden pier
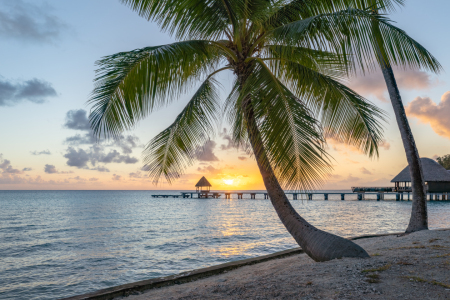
(166, 196)
(306, 195)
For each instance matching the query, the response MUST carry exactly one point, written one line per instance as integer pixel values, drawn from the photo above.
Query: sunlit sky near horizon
(47, 55)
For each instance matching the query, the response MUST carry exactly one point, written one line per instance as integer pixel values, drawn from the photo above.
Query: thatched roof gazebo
(203, 185)
(436, 177)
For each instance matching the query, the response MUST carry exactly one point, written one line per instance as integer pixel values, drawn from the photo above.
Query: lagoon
(57, 244)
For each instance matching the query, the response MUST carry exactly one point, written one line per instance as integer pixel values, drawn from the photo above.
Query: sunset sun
(228, 181)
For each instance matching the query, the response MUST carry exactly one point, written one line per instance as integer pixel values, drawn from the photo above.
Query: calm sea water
(56, 244)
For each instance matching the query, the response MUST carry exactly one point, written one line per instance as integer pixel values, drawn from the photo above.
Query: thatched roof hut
(432, 171)
(436, 177)
(203, 185)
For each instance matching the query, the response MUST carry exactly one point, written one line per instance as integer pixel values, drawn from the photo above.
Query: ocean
(56, 244)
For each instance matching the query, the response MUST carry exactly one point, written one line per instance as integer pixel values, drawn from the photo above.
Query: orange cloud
(340, 146)
(374, 84)
(437, 115)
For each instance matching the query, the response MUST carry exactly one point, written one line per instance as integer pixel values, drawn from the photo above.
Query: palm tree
(288, 58)
(419, 215)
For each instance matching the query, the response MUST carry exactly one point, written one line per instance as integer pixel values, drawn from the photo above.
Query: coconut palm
(419, 215)
(288, 59)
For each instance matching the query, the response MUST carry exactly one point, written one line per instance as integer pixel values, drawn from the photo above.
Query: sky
(48, 51)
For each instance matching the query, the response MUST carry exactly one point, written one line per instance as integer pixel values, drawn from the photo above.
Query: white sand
(415, 266)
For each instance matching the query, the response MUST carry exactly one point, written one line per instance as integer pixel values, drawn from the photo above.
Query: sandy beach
(415, 266)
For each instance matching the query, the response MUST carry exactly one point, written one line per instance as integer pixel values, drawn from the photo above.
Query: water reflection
(57, 244)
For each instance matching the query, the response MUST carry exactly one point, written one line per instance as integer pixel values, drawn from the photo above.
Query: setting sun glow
(228, 181)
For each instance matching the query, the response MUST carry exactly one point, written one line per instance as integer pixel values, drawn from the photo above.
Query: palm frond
(292, 138)
(190, 18)
(130, 85)
(348, 32)
(328, 63)
(343, 113)
(171, 151)
(301, 9)
(234, 114)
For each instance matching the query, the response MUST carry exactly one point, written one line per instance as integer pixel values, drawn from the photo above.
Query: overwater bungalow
(436, 177)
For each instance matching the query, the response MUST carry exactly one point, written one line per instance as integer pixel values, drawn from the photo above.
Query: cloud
(242, 157)
(27, 169)
(244, 147)
(350, 179)
(80, 158)
(334, 176)
(77, 119)
(35, 181)
(227, 137)
(26, 21)
(76, 140)
(210, 169)
(340, 146)
(437, 115)
(43, 152)
(116, 177)
(50, 169)
(351, 161)
(93, 179)
(137, 174)
(78, 178)
(77, 158)
(126, 143)
(385, 145)
(100, 169)
(5, 166)
(206, 153)
(113, 156)
(365, 171)
(374, 84)
(34, 90)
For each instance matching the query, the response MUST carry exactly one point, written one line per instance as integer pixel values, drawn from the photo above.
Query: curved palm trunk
(318, 244)
(419, 216)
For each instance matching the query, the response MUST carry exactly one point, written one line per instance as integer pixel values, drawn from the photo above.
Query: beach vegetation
(444, 161)
(431, 281)
(289, 60)
(380, 269)
(373, 278)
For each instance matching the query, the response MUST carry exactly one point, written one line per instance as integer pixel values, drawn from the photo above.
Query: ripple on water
(61, 243)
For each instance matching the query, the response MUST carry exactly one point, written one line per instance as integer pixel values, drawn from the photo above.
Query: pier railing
(359, 189)
(380, 194)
